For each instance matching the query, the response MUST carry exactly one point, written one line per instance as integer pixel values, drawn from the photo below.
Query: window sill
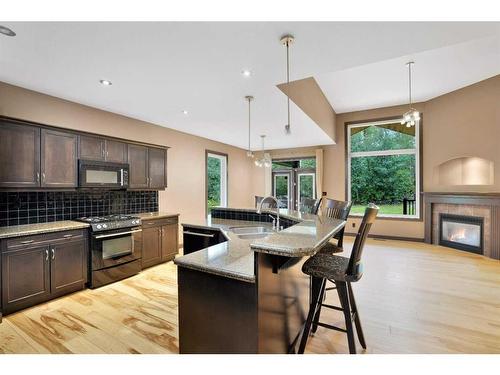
(389, 217)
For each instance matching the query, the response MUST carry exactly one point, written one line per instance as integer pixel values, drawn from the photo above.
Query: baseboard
(384, 237)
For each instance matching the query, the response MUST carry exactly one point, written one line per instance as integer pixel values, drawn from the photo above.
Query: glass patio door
(306, 186)
(282, 189)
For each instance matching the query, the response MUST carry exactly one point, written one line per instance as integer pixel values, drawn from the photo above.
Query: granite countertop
(155, 215)
(29, 229)
(235, 258)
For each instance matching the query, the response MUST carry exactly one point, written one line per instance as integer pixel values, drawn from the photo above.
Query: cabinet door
(156, 168)
(151, 246)
(169, 241)
(138, 161)
(19, 155)
(116, 152)
(91, 148)
(58, 159)
(68, 267)
(25, 277)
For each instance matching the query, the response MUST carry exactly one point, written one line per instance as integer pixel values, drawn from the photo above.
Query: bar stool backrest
(359, 243)
(337, 209)
(258, 199)
(309, 205)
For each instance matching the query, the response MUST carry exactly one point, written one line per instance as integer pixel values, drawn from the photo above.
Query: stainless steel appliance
(99, 174)
(115, 248)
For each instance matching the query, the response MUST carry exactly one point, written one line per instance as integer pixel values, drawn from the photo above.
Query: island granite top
(235, 258)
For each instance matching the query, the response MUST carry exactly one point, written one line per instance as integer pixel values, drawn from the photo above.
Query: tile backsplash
(17, 208)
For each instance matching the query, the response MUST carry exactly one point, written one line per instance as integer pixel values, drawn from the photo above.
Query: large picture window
(383, 168)
(216, 180)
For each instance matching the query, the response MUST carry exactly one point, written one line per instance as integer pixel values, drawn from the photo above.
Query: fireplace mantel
(481, 201)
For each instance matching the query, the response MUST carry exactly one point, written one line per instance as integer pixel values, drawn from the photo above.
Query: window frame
(417, 151)
(220, 155)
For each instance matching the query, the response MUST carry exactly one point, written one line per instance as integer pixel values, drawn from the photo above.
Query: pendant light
(287, 40)
(264, 161)
(250, 154)
(411, 116)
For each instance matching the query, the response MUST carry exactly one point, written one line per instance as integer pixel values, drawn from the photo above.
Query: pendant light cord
(249, 124)
(288, 80)
(409, 82)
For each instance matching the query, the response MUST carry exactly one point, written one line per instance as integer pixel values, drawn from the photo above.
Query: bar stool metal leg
(357, 319)
(315, 303)
(344, 301)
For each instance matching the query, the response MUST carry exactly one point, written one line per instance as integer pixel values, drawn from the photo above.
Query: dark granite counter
(29, 229)
(235, 257)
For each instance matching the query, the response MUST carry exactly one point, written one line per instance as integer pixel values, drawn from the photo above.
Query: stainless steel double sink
(250, 232)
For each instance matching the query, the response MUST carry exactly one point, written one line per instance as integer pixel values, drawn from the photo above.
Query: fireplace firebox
(461, 232)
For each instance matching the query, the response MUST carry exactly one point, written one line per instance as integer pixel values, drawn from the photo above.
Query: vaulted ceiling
(160, 69)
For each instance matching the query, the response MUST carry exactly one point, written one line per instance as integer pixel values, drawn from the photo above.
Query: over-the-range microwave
(101, 174)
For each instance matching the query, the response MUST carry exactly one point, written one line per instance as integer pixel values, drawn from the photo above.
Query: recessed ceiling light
(246, 73)
(6, 31)
(185, 112)
(105, 82)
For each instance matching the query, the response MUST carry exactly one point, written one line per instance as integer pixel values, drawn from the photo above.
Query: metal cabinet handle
(53, 254)
(117, 234)
(46, 255)
(199, 234)
(68, 236)
(43, 176)
(27, 242)
(37, 176)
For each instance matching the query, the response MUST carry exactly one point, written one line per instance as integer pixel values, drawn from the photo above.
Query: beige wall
(185, 193)
(465, 122)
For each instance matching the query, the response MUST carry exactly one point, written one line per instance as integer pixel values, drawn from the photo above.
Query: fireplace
(461, 232)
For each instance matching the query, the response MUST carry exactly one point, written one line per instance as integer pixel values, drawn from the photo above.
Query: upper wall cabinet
(147, 167)
(138, 162)
(19, 155)
(58, 160)
(37, 156)
(95, 148)
(116, 151)
(157, 161)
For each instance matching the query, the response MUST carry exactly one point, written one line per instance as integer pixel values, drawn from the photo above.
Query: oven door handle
(117, 234)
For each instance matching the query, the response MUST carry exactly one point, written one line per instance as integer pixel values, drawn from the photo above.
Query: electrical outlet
(354, 225)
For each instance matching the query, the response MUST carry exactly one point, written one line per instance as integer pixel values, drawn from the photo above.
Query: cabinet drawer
(19, 243)
(147, 223)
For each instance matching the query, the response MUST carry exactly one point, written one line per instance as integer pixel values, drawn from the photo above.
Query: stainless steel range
(115, 248)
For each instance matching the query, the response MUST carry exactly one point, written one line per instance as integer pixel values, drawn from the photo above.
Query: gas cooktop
(101, 223)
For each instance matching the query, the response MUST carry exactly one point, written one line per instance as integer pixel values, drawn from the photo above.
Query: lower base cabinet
(41, 267)
(159, 240)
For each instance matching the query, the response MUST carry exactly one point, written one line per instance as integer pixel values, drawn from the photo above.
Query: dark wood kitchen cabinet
(25, 277)
(138, 162)
(160, 240)
(41, 267)
(58, 159)
(68, 266)
(19, 155)
(96, 148)
(156, 162)
(116, 151)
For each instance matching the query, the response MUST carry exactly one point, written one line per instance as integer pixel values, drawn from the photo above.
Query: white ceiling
(159, 69)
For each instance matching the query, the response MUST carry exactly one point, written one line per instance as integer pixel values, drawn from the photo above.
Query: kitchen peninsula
(247, 294)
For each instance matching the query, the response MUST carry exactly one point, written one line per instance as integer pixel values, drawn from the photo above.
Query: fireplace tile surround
(486, 206)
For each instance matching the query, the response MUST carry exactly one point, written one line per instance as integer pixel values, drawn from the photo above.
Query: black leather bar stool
(309, 205)
(342, 271)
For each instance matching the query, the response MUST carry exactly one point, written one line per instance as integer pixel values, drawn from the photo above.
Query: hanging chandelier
(265, 161)
(411, 116)
(287, 40)
(250, 154)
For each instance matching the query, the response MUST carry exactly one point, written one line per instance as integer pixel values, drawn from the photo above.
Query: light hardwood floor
(413, 298)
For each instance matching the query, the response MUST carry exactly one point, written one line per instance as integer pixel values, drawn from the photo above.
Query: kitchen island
(247, 294)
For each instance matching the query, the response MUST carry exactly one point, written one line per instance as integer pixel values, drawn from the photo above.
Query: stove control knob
(105, 225)
(135, 222)
(99, 226)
